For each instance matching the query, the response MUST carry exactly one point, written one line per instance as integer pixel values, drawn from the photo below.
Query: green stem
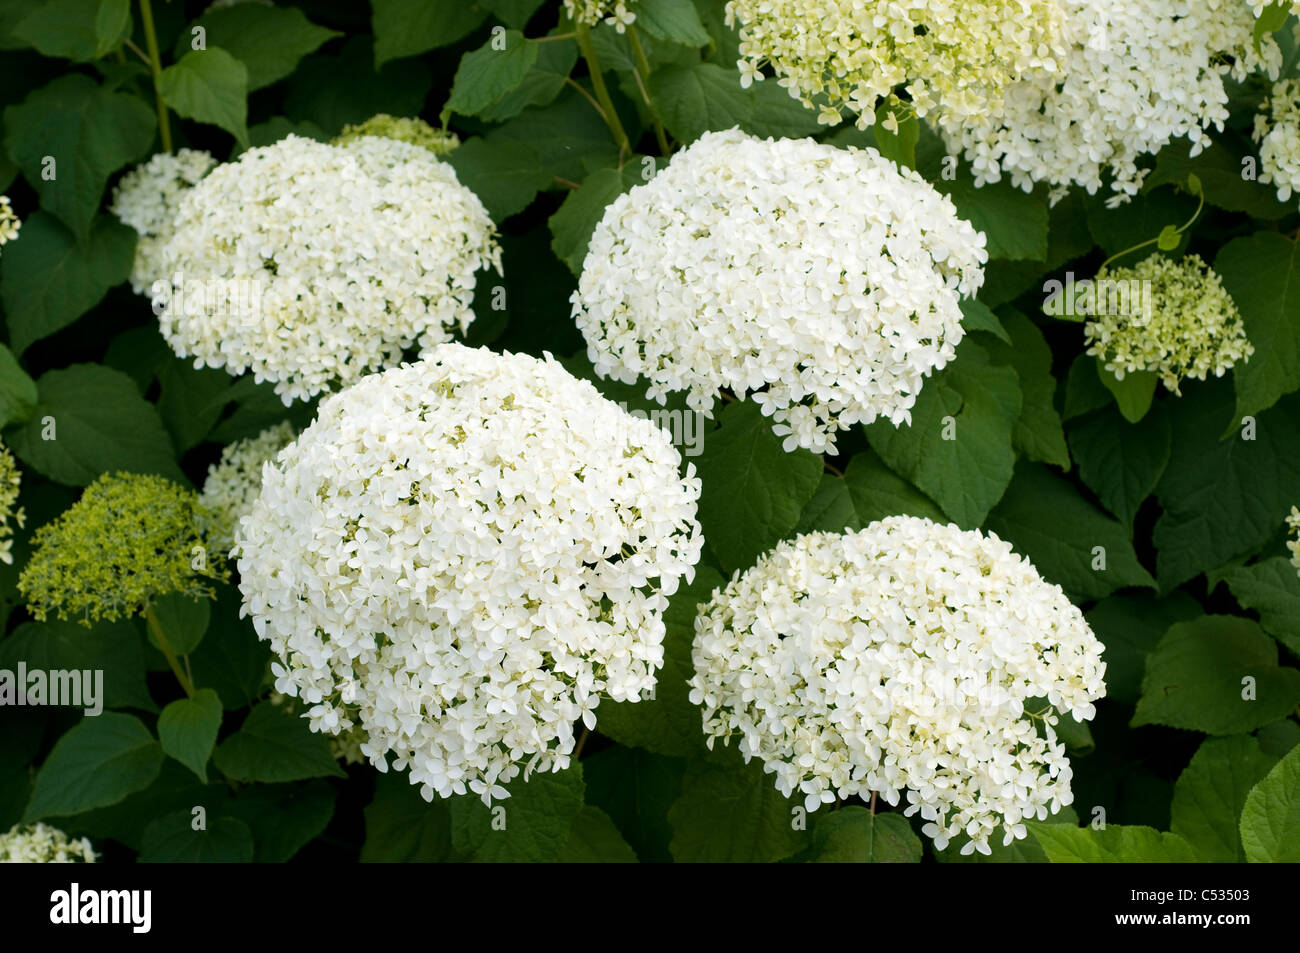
(156, 628)
(1151, 241)
(155, 64)
(642, 74)
(602, 93)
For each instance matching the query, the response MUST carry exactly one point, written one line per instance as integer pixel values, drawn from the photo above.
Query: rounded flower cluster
(233, 482)
(1179, 322)
(417, 132)
(313, 265)
(824, 280)
(954, 57)
(9, 222)
(591, 12)
(42, 844)
(1277, 130)
(129, 539)
(461, 557)
(907, 656)
(10, 480)
(1293, 524)
(146, 199)
(1137, 76)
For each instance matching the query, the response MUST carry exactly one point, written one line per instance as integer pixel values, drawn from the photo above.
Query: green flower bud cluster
(130, 539)
(9, 508)
(416, 132)
(1293, 524)
(9, 223)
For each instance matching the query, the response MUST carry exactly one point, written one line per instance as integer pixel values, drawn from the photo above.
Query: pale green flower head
(42, 844)
(416, 132)
(1293, 524)
(9, 508)
(1174, 318)
(9, 223)
(130, 539)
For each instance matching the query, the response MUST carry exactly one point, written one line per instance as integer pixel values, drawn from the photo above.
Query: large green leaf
(173, 839)
(1197, 678)
(209, 86)
(853, 835)
(1117, 844)
(729, 811)
(187, 730)
(505, 174)
(572, 224)
(1038, 434)
(274, 745)
(487, 74)
(1130, 625)
(268, 40)
(402, 827)
(532, 825)
(977, 404)
(17, 389)
(673, 20)
(867, 492)
(409, 27)
(540, 85)
(333, 90)
(1272, 588)
(1211, 792)
(1014, 222)
(284, 818)
(1119, 461)
(594, 839)
(76, 29)
(98, 762)
(1270, 820)
(231, 659)
(636, 788)
(753, 491)
(1070, 541)
(113, 648)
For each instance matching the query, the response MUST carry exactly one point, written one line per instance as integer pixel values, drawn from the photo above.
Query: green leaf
(1262, 275)
(172, 839)
(1129, 626)
(176, 788)
(191, 401)
(402, 827)
(1223, 498)
(1169, 238)
(335, 90)
(572, 224)
(98, 762)
(231, 660)
(513, 13)
(673, 20)
(543, 82)
(209, 86)
(1146, 217)
(732, 812)
(1270, 821)
(1014, 222)
(268, 40)
(753, 490)
(17, 390)
(898, 146)
(409, 27)
(1038, 434)
(1083, 389)
(852, 835)
(975, 402)
(50, 279)
(1271, 19)
(1219, 169)
(697, 99)
(1196, 678)
(78, 30)
(1211, 793)
(99, 423)
(274, 745)
(594, 839)
(284, 818)
(1121, 463)
(1133, 394)
(1272, 588)
(88, 133)
(1117, 844)
(636, 788)
(531, 826)
(184, 621)
(187, 729)
(668, 723)
(1046, 519)
(113, 648)
(977, 316)
(487, 74)
(506, 175)
(867, 492)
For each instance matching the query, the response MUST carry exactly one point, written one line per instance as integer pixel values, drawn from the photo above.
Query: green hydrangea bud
(130, 539)
(9, 509)
(417, 132)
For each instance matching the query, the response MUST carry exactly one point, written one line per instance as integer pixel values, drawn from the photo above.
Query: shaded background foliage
(1196, 592)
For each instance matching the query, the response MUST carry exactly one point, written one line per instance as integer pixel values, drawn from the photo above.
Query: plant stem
(156, 628)
(602, 93)
(582, 740)
(873, 803)
(155, 64)
(643, 67)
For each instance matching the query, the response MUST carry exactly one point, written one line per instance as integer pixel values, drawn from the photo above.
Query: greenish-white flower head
(910, 658)
(1277, 130)
(41, 844)
(1183, 325)
(130, 539)
(11, 514)
(617, 13)
(233, 482)
(9, 222)
(417, 132)
(954, 57)
(1293, 524)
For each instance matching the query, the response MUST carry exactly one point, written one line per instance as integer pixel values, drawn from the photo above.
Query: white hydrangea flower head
(909, 656)
(146, 198)
(1293, 524)
(461, 557)
(1138, 75)
(11, 514)
(41, 844)
(826, 281)
(9, 221)
(1277, 130)
(591, 12)
(233, 483)
(313, 265)
(954, 57)
(1183, 324)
